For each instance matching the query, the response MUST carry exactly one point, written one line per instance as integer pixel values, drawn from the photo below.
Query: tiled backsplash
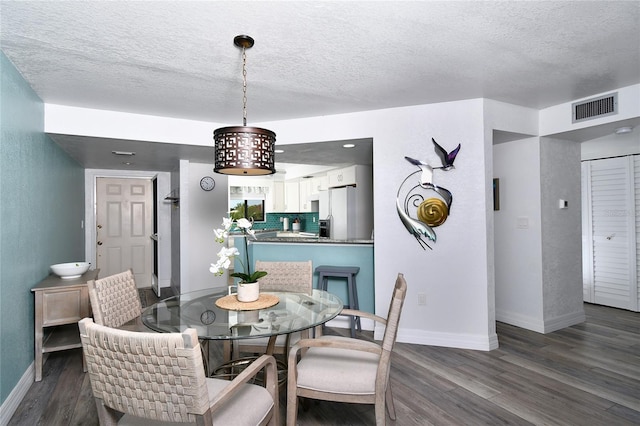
(308, 221)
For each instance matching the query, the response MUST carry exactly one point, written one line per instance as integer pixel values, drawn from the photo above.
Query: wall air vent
(594, 108)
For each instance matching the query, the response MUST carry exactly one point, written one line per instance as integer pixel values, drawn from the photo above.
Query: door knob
(99, 243)
(99, 226)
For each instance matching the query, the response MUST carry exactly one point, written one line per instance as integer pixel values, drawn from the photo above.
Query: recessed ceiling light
(123, 153)
(127, 163)
(623, 130)
(279, 151)
(348, 145)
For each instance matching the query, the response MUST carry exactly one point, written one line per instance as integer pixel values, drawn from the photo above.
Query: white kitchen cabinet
(305, 190)
(292, 197)
(319, 183)
(353, 175)
(342, 177)
(278, 196)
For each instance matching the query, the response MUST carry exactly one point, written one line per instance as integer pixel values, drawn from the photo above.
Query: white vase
(248, 292)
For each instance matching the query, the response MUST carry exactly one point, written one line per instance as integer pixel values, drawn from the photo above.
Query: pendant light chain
(244, 86)
(242, 150)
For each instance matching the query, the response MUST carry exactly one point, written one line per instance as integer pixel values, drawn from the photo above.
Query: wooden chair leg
(292, 404)
(389, 402)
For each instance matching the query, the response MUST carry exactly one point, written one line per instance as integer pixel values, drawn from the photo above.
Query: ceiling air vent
(595, 108)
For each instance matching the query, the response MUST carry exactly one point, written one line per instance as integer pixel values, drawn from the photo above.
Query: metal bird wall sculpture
(418, 213)
(426, 177)
(447, 157)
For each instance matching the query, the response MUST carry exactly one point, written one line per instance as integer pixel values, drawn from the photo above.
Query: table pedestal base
(230, 370)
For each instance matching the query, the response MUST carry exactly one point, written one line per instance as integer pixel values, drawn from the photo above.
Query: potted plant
(248, 287)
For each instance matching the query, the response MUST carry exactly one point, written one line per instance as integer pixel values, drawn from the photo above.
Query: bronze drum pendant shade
(242, 150)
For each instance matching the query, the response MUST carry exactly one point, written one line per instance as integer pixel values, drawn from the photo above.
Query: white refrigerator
(339, 206)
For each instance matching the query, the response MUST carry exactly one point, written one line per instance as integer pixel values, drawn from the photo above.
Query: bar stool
(349, 272)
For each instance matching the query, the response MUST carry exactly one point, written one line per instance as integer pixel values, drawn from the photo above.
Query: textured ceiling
(177, 59)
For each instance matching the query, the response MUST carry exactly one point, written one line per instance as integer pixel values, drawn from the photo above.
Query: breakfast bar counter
(310, 240)
(321, 251)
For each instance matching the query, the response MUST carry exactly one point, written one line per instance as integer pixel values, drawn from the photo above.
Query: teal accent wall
(41, 209)
(321, 254)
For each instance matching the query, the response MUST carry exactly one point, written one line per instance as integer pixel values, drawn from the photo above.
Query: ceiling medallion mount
(243, 41)
(242, 150)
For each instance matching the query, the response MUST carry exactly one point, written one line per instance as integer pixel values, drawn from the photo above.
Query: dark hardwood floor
(588, 374)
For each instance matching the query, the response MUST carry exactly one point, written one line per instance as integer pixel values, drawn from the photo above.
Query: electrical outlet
(422, 299)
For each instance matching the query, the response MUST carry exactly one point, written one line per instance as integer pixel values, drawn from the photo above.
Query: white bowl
(70, 270)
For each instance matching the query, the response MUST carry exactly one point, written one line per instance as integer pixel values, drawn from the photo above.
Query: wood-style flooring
(588, 374)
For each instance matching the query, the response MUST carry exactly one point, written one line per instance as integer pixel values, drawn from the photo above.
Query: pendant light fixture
(242, 150)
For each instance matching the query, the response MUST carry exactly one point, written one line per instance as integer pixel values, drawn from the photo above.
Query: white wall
(518, 224)
(200, 213)
(611, 146)
(455, 275)
(557, 119)
(175, 233)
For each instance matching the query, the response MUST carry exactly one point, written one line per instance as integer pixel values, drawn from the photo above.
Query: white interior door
(612, 232)
(124, 221)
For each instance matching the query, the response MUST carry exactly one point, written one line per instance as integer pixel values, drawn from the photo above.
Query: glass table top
(293, 312)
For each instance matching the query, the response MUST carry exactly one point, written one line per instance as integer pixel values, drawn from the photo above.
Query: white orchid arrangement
(226, 254)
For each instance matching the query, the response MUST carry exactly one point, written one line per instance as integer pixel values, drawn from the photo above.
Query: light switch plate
(522, 222)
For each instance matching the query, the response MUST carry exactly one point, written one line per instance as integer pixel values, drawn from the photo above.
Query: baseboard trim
(564, 321)
(10, 405)
(519, 320)
(545, 326)
(421, 337)
(449, 340)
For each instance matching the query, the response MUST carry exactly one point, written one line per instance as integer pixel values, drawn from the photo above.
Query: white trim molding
(10, 405)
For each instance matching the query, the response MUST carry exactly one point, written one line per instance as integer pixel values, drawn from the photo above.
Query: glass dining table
(198, 309)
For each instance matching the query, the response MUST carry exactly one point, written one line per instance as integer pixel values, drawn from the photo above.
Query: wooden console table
(59, 305)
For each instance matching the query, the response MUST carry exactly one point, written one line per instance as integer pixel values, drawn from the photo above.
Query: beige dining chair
(344, 369)
(281, 276)
(115, 301)
(142, 378)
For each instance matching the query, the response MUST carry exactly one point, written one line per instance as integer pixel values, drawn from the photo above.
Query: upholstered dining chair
(142, 378)
(115, 301)
(344, 369)
(281, 276)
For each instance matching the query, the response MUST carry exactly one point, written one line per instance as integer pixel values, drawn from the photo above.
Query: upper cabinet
(297, 193)
(319, 183)
(348, 176)
(279, 201)
(292, 196)
(305, 191)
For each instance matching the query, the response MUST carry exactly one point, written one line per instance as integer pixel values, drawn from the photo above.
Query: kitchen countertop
(309, 240)
(280, 236)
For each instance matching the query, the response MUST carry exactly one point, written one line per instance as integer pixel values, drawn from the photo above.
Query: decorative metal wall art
(419, 212)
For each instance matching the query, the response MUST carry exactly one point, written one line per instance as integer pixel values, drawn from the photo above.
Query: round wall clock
(207, 183)
(207, 317)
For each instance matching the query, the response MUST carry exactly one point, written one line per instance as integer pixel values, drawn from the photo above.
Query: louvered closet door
(611, 203)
